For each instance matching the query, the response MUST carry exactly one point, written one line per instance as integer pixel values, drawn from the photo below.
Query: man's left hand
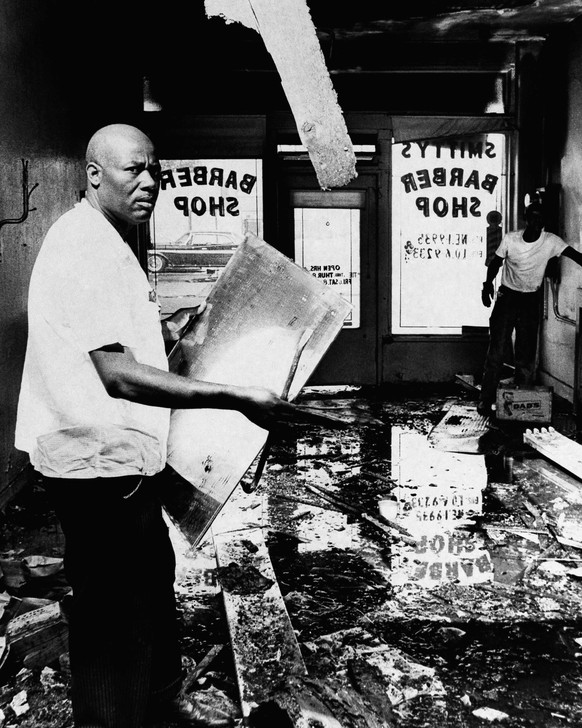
(181, 318)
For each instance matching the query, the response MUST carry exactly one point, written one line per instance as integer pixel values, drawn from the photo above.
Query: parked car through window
(197, 251)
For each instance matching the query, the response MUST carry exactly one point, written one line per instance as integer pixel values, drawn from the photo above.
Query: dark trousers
(513, 311)
(120, 563)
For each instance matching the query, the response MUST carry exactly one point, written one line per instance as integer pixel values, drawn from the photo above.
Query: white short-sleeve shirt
(88, 290)
(525, 263)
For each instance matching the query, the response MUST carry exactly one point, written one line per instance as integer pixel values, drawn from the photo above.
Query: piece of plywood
(556, 494)
(272, 678)
(249, 333)
(265, 648)
(290, 37)
(557, 447)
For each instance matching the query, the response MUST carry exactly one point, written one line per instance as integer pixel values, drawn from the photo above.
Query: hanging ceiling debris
(290, 37)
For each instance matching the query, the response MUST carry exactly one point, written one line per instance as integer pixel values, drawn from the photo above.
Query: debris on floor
(429, 565)
(39, 637)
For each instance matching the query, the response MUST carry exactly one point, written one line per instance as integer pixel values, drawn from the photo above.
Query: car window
(183, 240)
(201, 240)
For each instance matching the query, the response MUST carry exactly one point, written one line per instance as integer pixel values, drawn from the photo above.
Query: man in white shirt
(94, 417)
(524, 255)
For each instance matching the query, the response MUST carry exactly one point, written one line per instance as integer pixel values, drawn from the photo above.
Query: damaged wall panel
(289, 35)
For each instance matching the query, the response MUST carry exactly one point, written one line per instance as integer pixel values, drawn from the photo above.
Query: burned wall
(564, 161)
(54, 93)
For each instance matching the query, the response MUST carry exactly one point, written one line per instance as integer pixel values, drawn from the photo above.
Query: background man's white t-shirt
(525, 263)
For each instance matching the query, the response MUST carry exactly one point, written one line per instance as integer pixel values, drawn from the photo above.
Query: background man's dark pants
(120, 563)
(512, 311)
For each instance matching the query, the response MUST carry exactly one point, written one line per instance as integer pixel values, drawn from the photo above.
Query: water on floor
(393, 550)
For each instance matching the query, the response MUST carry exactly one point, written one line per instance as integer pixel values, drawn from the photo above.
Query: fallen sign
(255, 320)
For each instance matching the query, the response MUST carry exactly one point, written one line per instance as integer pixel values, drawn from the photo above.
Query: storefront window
(448, 207)
(203, 211)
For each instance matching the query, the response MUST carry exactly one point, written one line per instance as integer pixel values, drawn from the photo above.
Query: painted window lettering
(215, 206)
(202, 175)
(440, 177)
(452, 149)
(455, 206)
(448, 205)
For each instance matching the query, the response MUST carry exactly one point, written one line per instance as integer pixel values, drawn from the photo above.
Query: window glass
(448, 207)
(327, 242)
(203, 211)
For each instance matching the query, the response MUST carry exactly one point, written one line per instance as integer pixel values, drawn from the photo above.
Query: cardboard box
(524, 404)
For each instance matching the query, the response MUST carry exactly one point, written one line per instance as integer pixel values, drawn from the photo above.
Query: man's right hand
(487, 293)
(265, 408)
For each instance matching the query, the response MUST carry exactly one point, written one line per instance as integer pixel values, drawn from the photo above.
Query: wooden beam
(266, 652)
(557, 447)
(290, 37)
(271, 675)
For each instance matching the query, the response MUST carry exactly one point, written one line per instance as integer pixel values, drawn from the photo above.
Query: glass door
(332, 235)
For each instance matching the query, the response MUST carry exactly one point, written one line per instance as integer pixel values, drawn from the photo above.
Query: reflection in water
(438, 493)
(458, 557)
(435, 488)
(489, 644)
(325, 528)
(335, 446)
(436, 497)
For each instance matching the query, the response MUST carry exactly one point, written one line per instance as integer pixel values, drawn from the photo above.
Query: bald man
(93, 415)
